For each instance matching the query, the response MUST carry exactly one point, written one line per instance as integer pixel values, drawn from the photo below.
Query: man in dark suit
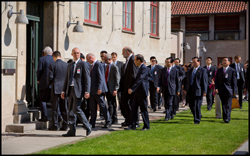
(169, 81)
(154, 72)
(42, 80)
(97, 92)
(128, 78)
(57, 73)
(112, 79)
(160, 93)
(76, 86)
(176, 64)
(140, 90)
(239, 67)
(196, 88)
(226, 87)
(119, 64)
(210, 74)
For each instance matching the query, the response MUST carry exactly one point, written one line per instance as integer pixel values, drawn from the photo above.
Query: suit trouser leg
(168, 105)
(153, 95)
(55, 109)
(217, 106)
(103, 107)
(209, 97)
(175, 101)
(226, 107)
(197, 109)
(240, 91)
(144, 111)
(125, 107)
(87, 110)
(112, 106)
(64, 111)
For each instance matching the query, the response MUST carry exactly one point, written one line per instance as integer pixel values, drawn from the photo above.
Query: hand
(212, 81)
(204, 94)
(63, 96)
(38, 82)
(182, 86)
(86, 96)
(158, 90)
(178, 93)
(216, 90)
(99, 91)
(114, 93)
(129, 91)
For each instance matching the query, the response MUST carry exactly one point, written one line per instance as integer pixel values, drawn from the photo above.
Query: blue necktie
(192, 76)
(152, 72)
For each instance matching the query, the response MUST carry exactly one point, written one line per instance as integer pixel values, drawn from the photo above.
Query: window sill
(129, 32)
(155, 37)
(93, 25)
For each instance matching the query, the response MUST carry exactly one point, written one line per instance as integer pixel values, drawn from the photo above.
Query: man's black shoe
(130, 128)
(144, 129)
(159, 107)
(172, 117)
(166, 119)
(124, 124)
(115, 122)
(43, 119)
(196, 123)
(226, 121)
(137, 126)
(154, 109)
(240, 107)
(69, 134)
(107, 125)
(89, 130)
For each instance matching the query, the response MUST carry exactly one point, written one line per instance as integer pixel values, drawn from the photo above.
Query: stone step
(21, 118)
(20, 128)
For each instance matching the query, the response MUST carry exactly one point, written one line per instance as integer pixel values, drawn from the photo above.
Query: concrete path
(37, 140)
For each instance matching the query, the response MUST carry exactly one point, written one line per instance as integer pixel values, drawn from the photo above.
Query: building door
(34, 52)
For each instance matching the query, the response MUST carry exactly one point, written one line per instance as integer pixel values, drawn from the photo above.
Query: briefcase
(235, 103)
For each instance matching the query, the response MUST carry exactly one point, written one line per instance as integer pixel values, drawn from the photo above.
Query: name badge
(226, 76)
(210, 73)
(78, 71)
(241, 69)
(155, 72)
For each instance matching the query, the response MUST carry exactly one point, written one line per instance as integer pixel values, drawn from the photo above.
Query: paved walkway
(37, 140)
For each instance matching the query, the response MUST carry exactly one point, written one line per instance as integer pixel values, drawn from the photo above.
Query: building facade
(220, 26)
(110, 26)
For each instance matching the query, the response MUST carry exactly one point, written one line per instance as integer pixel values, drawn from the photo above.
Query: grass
(177, 136)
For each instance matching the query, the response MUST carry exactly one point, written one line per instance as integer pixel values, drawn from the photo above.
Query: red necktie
(107, 73)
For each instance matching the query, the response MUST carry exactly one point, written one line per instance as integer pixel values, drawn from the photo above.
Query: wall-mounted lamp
(187, 45)
(20, 19)
(203, 49)
(77, 28)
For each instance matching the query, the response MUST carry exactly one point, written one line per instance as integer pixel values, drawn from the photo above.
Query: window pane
(86, 10)
(123, 6)
(154, 13)
(129, 7)
(204, 36)
(154, 27)
(93, 12)
(227, 36)
(129, 21)
(123, 19)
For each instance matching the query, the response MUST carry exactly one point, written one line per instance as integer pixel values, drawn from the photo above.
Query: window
(175, 23)
(154, 18)
(226, 27)
(127, 16)
(91, 10)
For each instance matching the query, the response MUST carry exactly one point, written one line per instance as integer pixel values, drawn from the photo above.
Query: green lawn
(177, 136)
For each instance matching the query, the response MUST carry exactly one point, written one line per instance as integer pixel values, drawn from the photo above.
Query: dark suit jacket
(119, 64)
(57, 73)
(247, 79)
(200, 81)
(113, 78)
(182, 74)
(43, 71)
(140, 86)
(128, 77)
(98, 79)
(155, 75)
(173, 80)
(241, 71)
(210, 73)
(226, 86)
(81, 80)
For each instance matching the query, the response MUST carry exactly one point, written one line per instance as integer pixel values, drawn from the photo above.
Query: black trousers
(142, 102)
(74, 106)
(175, 104)
(226, 106)
(153, 95)
(195, 103)
(112, 106)
(94, 100)
(59, 108)
(168, 104)
(240, 91)
(209, 97)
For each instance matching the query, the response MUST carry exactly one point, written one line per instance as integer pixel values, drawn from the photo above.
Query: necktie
(167, 78)
(207, 68)
(72, 73)
(125, 65)
(91, 68)
(152, 72)
(106, 75)
(224, 70)
(192, 76)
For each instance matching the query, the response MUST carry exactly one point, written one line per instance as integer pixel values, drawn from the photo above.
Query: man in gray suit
(76, 86)
(57, 73)
(97, 92)
(112, 79)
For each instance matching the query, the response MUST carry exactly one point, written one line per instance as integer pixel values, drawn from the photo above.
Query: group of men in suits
(131, 81)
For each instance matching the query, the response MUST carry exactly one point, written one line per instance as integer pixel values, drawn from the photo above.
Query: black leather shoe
(124, 124)
(107, 125)
(89, 130)
(54, 129)
(69, 134)
(172, 117)
(166, 119)
(154, 109)
(159, 107)
(130, 128)
(137, 126)
(43, 119)
(144, 129)
(115, 122)
(196, 123)
(240, 107)
(226, 121)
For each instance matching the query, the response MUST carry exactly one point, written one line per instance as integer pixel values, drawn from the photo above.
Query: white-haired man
(42, 75)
